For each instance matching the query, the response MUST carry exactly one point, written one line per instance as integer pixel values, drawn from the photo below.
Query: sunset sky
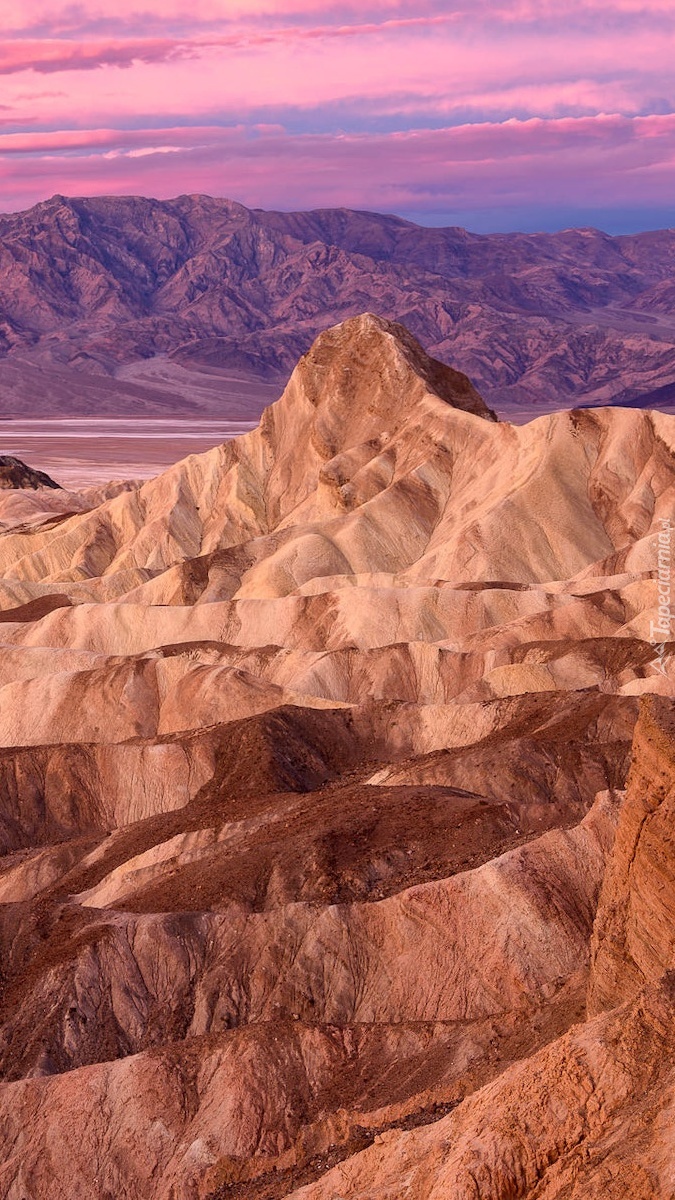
(494, 115)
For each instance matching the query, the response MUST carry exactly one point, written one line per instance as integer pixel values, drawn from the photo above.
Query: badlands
(337, 808)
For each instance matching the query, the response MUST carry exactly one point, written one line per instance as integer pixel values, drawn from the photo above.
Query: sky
(493, 114)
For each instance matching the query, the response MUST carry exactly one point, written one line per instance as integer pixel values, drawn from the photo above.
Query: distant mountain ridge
(576, 317)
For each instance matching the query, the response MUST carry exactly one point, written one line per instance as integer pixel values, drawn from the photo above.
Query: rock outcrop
(634, 934)
(15, 474)
(334, 857)
(589, 1115)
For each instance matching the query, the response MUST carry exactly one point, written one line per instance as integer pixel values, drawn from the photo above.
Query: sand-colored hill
(323, 869)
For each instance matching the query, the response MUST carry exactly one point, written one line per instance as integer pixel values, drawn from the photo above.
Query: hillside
(99, 286)
(335, 765)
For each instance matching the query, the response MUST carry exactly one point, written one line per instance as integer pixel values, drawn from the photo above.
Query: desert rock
(335, 804)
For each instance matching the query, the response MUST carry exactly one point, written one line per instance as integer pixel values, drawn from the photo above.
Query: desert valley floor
(337, 798)
(85, 452)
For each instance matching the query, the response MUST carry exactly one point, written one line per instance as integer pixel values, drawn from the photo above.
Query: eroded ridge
(336, 778)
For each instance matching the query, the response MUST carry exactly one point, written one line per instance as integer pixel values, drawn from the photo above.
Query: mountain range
(94, 293)
(338, 787)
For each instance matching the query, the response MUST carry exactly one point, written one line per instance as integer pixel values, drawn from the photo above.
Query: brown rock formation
(312, 754)
(634, 934)
(590, 1115)
(15, 474)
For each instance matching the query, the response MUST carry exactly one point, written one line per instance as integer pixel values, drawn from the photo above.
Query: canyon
(337, 782)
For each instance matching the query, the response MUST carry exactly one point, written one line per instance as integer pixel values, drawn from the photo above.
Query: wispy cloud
(397, 104)
(50, 57)
(58, 18)
(581, 161)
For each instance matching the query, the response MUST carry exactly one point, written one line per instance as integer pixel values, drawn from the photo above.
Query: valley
(81, 452)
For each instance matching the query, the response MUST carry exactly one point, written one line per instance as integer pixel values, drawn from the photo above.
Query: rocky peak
(363, 407)
(367, 358)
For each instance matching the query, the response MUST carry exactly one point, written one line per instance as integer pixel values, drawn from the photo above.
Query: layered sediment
(336, 784)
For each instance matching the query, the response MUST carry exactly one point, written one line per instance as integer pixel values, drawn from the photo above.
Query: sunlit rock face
(335, 798)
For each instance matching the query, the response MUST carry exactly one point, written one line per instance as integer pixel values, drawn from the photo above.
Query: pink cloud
(194, 66)
(251, 68)
(200, 78)
(61, 16)
(74, 140)
(262, 18)
(586, 161)
(53, 56)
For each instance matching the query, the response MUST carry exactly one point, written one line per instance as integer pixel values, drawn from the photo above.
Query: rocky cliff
(634, 933)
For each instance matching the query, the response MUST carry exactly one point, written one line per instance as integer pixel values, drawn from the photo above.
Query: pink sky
(495, 115)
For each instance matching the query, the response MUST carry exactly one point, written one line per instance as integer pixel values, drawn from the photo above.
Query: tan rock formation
(312, 752)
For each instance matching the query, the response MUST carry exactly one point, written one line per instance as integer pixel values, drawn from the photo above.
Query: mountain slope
(548, 319)
(314, 848)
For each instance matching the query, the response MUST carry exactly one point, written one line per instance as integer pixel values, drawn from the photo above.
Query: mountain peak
(365, 405)
(390, 364)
